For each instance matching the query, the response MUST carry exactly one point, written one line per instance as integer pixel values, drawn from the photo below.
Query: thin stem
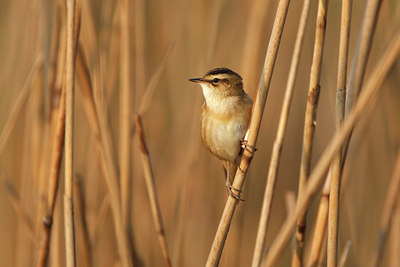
(151, 190)
(69, 142)
(360, 60)
(332, 253)
(276, 152)
(258, 109)
(310, 120)
(316, 178)
(320, 224)
(124, 114)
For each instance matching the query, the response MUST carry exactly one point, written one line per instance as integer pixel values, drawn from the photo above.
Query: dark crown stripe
(222, 71)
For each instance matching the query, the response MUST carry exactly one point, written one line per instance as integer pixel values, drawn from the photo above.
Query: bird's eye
(216, 80)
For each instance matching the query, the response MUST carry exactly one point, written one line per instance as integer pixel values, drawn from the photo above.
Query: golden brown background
(189, 180)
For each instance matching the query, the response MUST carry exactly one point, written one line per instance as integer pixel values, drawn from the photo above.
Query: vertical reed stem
(310, 119)
(332, 253)
(124, 114)
(69, 131)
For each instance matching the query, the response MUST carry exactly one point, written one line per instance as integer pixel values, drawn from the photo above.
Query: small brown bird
(224, 118)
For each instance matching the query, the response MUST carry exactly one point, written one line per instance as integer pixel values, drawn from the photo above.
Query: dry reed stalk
(124, 113)
(258, 109)
(310, 122)
(322, 255)
(333, 221)
(360, 59)
(278, 143)
(19, 103)
(320, 224)
(56, 145)
(50, 95)
(99, 129)
(290, 201)
(151, 190)
(345, 254)
(387, 213)
(69, 134)
(316, 178)
(56, 257)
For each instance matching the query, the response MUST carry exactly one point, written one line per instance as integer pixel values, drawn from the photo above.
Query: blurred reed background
(157, 45)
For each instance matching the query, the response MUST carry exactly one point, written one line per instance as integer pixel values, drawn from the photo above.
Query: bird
(224, 119)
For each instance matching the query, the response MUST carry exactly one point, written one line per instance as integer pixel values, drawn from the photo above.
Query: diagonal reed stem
(151, 190)
(258, 109)
(316, 178)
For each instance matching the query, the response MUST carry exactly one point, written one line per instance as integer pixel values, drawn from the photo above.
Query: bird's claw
(246, 146)
(236, 196)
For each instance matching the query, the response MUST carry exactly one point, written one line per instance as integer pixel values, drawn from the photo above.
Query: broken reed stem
(388, 211)
(310, 122)
(258, 109)
(316, 178)
(69, 142)
(320, 224)
(360, 59)
(99, 129)
(124, 114)
(332, 247)
(151, 190)
(57, 150)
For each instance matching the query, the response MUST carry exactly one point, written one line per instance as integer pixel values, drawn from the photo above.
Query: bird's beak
(196, 80)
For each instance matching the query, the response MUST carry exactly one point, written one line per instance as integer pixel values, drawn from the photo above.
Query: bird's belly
(222, 137)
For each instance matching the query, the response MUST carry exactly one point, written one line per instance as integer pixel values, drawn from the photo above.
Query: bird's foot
(246, 146)
(229, 189)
